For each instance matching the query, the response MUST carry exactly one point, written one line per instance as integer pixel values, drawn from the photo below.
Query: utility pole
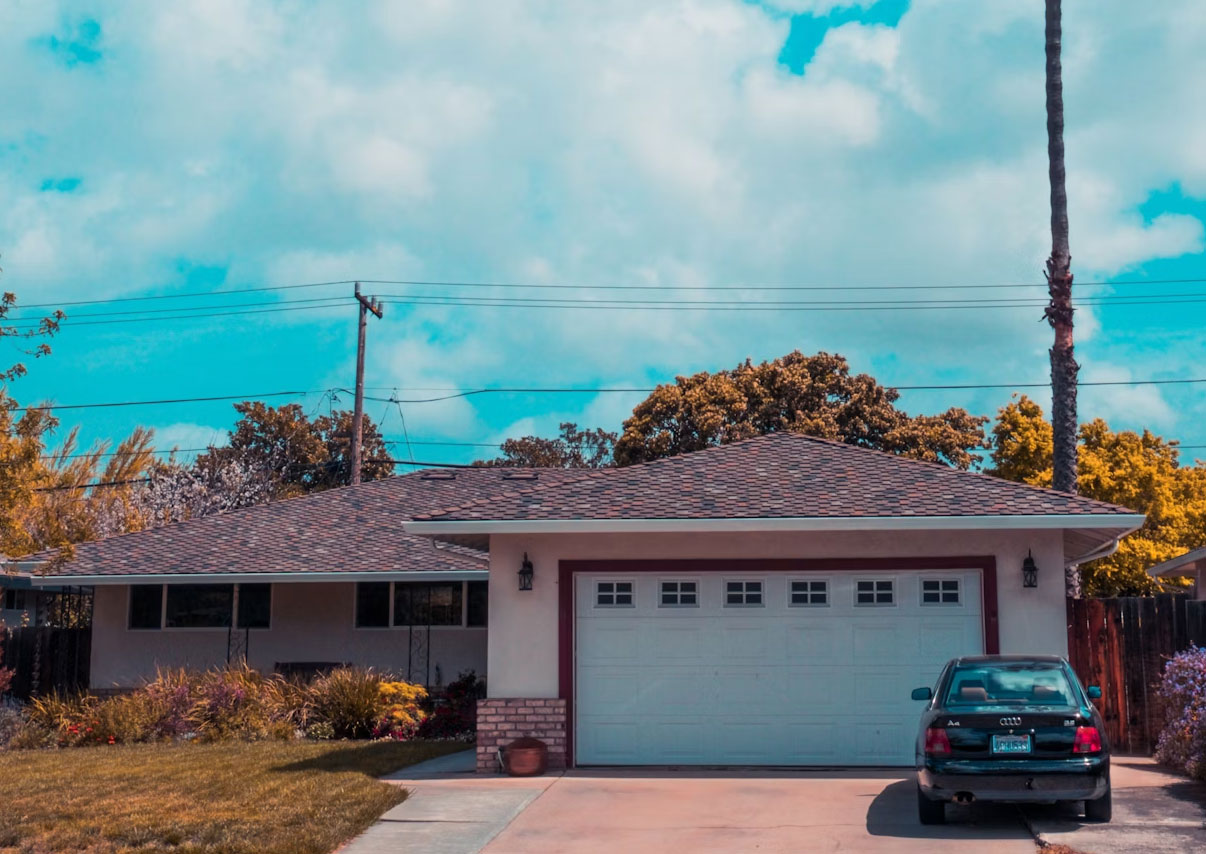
(366, 305)
(1059, 310)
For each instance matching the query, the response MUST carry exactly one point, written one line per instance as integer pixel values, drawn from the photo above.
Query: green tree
(1141, 471)
(816, 395)
(301, 455)
(573, 449)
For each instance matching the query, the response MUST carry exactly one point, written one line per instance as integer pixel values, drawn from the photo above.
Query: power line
(750, 286)
(49, 407)
(186, 295)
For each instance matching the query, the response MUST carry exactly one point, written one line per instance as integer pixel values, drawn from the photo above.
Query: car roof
(1008, 659)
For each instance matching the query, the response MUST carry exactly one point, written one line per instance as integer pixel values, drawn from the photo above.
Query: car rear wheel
(1101, 809)
(930, 812)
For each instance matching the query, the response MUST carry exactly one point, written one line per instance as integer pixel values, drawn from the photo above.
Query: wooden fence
(1122, 645)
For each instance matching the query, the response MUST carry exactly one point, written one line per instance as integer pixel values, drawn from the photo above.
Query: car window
(1009, 685)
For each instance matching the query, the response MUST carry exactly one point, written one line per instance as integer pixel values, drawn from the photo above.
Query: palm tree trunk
(1059, 278)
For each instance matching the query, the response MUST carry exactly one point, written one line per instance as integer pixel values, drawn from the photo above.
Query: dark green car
(1011, 728)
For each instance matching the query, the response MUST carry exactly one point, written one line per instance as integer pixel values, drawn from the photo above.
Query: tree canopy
(573, 449)
(816, 395)
(301, 455)
(1140, 471)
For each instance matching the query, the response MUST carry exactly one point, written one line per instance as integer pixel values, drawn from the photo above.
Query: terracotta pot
(526, 757)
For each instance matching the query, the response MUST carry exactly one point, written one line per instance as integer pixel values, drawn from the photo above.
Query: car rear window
(1025, 684)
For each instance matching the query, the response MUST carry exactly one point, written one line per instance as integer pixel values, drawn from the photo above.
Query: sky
(184, 150)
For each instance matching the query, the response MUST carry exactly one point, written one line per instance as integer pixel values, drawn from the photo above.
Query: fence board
(1122, 645)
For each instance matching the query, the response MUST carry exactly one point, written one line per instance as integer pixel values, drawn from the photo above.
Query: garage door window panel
(875, 592)
(744, 593)
(614, 594)
(941, 591)
(678, 593)
(808, 592)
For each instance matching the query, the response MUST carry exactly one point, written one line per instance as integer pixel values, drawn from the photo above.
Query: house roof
(780, 475)
(343, 532)
(1189, 563)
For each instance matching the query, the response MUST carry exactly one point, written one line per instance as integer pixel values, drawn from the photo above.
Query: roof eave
(1124, 522)
(260, 577)
(1190, 563)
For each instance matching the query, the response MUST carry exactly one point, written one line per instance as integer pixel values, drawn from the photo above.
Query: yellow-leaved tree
(1141, 471)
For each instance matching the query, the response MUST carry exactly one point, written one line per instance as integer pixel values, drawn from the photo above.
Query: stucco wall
(311, 621)
(523, 650)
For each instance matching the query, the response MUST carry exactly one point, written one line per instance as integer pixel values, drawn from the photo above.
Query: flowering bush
(403, 712)
(455, 714)
(6, 675)
(1182, 692)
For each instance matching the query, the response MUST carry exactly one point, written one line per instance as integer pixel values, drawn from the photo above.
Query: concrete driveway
(451, 810)
(697, 811)
(729, 811)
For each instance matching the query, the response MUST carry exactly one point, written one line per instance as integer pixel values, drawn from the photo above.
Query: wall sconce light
(525, 573)
(1029, 571)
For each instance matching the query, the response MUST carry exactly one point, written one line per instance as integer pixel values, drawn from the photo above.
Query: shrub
(1182, 693)
(320, 731)
(455, 715)
(12, 721)
(403, 710)
(6, 674)
(350, 700)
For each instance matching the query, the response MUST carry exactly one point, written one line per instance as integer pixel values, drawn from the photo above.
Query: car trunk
(1045, 734)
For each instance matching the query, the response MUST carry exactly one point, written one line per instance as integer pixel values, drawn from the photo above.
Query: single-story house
(1188, 565)
(293, 585)
(767, 602)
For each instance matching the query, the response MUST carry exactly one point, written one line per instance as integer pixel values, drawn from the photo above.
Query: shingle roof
(348, 529)
(781, 475)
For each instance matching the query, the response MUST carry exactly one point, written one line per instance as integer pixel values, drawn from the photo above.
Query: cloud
(641, 145)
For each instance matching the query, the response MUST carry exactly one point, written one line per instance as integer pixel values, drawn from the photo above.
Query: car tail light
(936, 742)
(1088, 740)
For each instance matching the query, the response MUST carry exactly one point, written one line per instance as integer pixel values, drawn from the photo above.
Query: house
(767, 602)
(1188, 565)
(293, 585)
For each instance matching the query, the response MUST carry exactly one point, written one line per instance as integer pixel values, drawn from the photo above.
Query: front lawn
(268, 797)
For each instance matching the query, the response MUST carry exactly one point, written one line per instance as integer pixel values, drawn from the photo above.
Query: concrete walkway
(449, 809)
(1154, 812)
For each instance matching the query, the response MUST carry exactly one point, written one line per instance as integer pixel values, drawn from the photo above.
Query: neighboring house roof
(1189, 563)
(782, 481)
(343, 531)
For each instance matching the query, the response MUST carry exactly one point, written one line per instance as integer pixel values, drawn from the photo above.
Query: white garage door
(747, 669)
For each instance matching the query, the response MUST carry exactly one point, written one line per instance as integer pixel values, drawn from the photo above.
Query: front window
(198, 606)
(1005, 684)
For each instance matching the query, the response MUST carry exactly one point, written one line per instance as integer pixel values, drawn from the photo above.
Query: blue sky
(153, 149)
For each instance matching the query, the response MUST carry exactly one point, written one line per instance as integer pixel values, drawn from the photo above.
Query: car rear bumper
(1078, 779)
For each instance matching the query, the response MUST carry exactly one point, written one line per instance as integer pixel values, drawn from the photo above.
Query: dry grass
(231, 798)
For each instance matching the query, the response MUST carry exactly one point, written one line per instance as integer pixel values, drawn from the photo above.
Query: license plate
(1011, 744)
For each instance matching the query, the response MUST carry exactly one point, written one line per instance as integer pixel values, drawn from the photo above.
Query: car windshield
(1006, 684)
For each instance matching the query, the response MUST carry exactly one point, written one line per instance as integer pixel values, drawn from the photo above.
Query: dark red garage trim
(567, 569)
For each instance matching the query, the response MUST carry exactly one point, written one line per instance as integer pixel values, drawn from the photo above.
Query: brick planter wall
(501, 721)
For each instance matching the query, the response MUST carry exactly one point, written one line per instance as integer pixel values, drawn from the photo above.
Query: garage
(774, 668)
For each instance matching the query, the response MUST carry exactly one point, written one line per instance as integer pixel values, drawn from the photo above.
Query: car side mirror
(1094, 692)
(922, 693)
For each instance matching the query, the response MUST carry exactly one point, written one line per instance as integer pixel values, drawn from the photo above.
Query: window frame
(745, 591)
(595, 592)
(228, 627)
(828, 591)
(893, 580)
(697, 593)
(940, 580)
(392, 597)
